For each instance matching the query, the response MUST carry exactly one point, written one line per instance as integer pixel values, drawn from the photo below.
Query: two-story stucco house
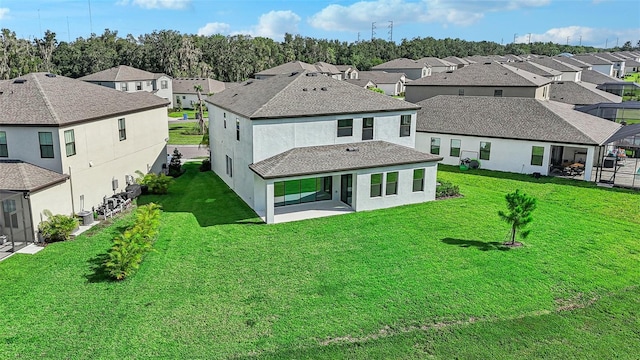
(412, 69)
(306, 142)
(569, 72)
(65, 144)
(185, 93)
(129, 79)
(487, 79)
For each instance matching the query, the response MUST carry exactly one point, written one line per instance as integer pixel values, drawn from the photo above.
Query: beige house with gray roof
(305, 145)
(129, 79)
(184, 90)
(487, 79)
(520, 135)
(65, 144)
(412, 69)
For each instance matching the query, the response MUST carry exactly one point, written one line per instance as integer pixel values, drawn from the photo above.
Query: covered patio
(310, 211)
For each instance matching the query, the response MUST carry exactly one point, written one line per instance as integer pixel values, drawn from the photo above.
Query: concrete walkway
(189, 152)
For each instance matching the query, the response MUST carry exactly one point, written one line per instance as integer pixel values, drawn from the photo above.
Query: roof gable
(487, 74)
(16, 175)
(120, 74)
(570, 92)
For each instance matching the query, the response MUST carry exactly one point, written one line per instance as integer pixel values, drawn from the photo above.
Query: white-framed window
(392, 183)
(122, 129)
(418, 180)
(376, 185)
(537, 155)
(405, 125)
(164, 84)
(435, 146)
(485, 150)
(345, 127)
(124, 86)
(454, 150)
(229, 166)
(4, 149)
(138, 85)
(70, 142)
(46, 145)
(367, 128)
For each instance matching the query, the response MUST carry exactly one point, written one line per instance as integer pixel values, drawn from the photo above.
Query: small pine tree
(520, 206)
(175, 165)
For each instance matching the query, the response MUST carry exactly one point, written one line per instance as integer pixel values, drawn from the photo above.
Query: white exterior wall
(187, 100)
(604, 69)
(165, 93)
(571, 76)
(506, 154)
(101, 157)
(56, 199)
(23, 144)
(391, 89)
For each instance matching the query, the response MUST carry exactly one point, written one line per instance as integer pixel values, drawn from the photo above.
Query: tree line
(234, 57)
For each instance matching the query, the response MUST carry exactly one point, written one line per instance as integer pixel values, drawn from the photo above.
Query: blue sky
(591, 22)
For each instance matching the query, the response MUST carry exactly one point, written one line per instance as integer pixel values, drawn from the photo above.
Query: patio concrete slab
(310, 211)
(30, 249)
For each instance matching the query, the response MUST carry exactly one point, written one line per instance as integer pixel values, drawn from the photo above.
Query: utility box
(86, 217)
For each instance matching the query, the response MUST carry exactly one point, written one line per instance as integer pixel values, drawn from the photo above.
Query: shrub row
(129, 248)
(446, 189)
(57, 227)
(156, 184)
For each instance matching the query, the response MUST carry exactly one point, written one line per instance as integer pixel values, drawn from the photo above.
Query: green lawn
(634, 77)
(191, 114)
(179, 133)
(419, 281)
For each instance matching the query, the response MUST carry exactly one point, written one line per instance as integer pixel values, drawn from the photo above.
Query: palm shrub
(57, 227)
(520, 207)
(446, 189)
(129, 248)
(156, 184)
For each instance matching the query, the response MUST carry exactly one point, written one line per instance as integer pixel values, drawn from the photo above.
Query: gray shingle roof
(17, 175)
(333, 158)
(596, 77)
(592, 60)
(327, 68)
(185, 85)
(402, 63)
(302, 94)
(435, 62)
(381, 77)
(571, 61)
(288, 68)
(120, 73)
(535, 68)
(574, 93)
(512, 118)
(361, 82)
(456, 60)
(555, 64)
(43, 99)
(491, 74)
(607, 56)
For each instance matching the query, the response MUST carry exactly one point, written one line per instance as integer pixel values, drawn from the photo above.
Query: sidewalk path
(189, 151)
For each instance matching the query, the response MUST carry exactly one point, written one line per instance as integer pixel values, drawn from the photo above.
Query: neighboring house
(597, 78)
(618, 64)
(302, 142)
(286, 68)
(438, 65)
(489, 79)
(184, 90)
(348, 71)
(129, 79)
(534, 68)
(625, 112)
(459, 62)
(393, 84)
(621, 88)
(299, 66)
(568, 72)
(579, 93)
(520, 135)
(598, 64)
(412, 69)
(363, 83)
(631, 66)
(66, 144)
(573, 62)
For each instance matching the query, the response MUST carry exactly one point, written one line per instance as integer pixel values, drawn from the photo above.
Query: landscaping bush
(175, 165)
(446, 189)
(206, 165)
(57, 227)
(129, 248)
(156, 184)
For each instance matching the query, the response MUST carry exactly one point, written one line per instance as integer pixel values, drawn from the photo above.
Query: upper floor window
(435, 146)
(122, 129)
(405, 125)
(139, 85)
(164, 84)
(367, 128)
(485, 150)
(46, 145)
(461, 92)
(345, 127)
(497, 93)
(238, 129)
(70, 142)
(149, 83)
(124, 87)
(4, 150)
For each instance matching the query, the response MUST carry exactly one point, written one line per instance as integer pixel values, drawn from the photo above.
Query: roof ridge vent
(50, 75)
(293, 73)
(19, 81)
(248, 82)
(323, 88)
(353, 149)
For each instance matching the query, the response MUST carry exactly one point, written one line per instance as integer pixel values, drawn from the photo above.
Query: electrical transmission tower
(373, 31)
(390, 31)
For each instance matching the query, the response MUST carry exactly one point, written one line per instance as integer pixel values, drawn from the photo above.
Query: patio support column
(588, 164)
(269, 204)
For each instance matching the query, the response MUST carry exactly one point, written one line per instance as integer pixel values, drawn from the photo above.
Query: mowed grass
(191, 114)
(180, 133)
(420, 281)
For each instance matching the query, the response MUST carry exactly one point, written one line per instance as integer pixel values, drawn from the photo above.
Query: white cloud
(157, 4)
(587, 36)
(3, 12)
(214, 28)
(274, 24)
(360, 15)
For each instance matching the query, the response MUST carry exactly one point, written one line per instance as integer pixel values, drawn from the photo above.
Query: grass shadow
(206, 196)
(98, 271)
(530, 178)
(480, 245)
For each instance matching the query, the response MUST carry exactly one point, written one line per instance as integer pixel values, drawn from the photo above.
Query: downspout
(27, 196)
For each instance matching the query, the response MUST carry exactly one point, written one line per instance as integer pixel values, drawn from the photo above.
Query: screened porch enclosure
(16, 229)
